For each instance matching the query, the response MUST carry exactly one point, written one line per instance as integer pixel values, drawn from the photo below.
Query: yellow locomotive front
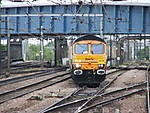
(89, 60)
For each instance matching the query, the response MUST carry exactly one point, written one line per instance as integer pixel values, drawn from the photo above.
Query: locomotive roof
(89, 37)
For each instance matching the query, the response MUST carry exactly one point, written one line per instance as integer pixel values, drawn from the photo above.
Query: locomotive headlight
(100, 65)
(78, 65)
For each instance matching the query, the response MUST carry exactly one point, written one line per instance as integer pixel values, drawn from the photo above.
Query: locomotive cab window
(81, 49)
(97, 49)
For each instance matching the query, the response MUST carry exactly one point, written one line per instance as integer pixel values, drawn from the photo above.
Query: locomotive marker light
(100, 65)
(78, 65)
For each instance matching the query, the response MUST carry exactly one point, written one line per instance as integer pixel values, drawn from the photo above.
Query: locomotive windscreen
(81, 49)
(97, 49)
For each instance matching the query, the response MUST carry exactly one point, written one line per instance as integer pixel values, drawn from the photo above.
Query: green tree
(144, 53)
(2, 47)
(48, 54)
(34, 52)
(49, 51)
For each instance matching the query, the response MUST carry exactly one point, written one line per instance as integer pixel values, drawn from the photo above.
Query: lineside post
(8, 47)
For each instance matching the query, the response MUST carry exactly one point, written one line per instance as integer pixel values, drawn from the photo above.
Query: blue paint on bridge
(76, 19)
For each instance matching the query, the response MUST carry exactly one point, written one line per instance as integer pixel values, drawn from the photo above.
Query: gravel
(27, 105)
(132, 104)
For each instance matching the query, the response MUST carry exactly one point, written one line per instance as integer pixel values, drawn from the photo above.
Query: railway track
(23, 90)
(94, 104)
(26, 64)
(39, 74)
(27, 67)
(27, 77)
(21, 64)
(128, 91)
(108, 97)
(31, 70)
(71, 104)
(8, 95)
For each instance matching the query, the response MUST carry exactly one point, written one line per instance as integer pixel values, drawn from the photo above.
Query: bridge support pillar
(61, 50)
(121, 52)
(110, 57)
(134, 50)
(128, 52)
(140, 52)
(3, 57)
(16, 50)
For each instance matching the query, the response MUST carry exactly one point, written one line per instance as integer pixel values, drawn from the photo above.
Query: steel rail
(63, 105)
(86, 99)
(148, 85)
(105, 102)
(69, 96)
(27, 77)
(65, 98)
(19, 68)
(21, 64)
(104, 88)
(28, 71)
(25, 66)
(11, 94)
(99, 92)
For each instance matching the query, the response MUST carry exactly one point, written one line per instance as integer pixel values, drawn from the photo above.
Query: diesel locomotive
(88, 63)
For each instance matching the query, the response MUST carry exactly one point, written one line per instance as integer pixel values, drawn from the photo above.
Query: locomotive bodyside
(89, 60)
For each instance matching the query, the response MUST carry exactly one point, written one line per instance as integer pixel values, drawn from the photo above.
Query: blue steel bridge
(74, 19)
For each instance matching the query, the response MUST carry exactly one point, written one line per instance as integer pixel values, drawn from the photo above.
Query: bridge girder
(75, 19)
